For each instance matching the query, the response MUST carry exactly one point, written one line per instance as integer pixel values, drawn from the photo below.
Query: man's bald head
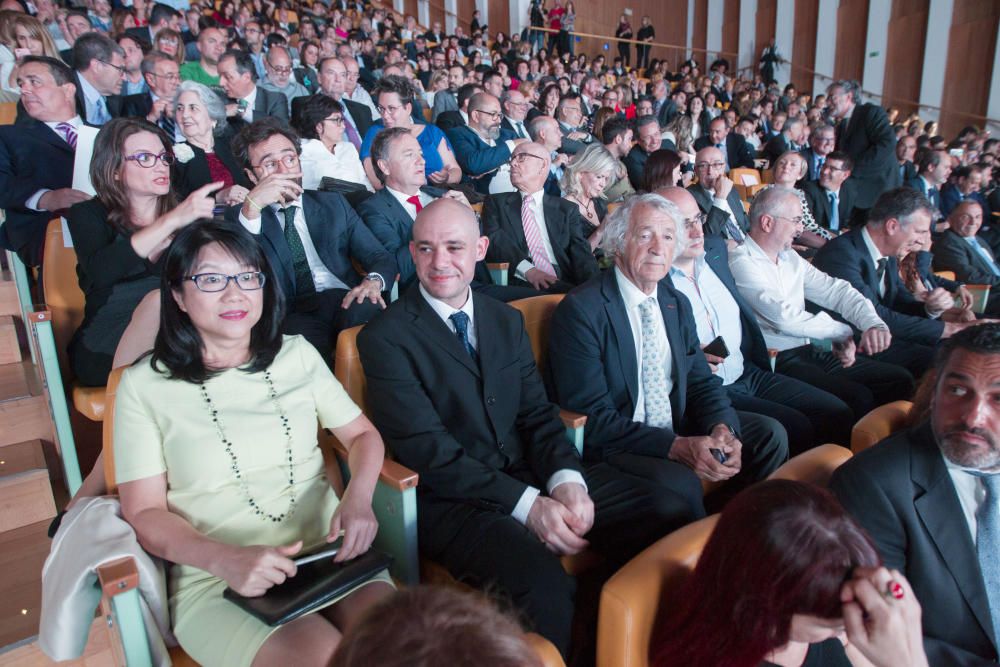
(446, 246)
(444, 209)
(692, 223)
(709, 165)
(684, 200)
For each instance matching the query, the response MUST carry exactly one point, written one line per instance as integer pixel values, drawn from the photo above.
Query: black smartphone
(432, 191)
(717, 347)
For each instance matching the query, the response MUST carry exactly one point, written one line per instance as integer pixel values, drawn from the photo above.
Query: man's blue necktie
(461, 322)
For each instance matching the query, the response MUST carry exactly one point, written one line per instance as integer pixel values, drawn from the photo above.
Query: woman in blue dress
(393, 97)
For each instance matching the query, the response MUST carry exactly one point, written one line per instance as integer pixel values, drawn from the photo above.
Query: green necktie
(304, 285)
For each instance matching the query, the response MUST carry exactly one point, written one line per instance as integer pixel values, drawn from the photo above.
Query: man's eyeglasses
(169, 77)
(289, 161)
(699, 220)
(521, 157)
(280, 70)
(120, 68)
(492, 114)
(797, 220)
(248, 281)
(148, 160)
(710, 165)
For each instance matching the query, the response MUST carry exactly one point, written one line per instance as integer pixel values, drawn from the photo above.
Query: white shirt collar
(75, 121)
(443, 310)
(873, 250)
(402, 197)
(295, 202)
(251, 99)
(632, 295)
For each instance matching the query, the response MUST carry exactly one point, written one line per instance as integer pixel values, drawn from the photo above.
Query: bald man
(454, 390)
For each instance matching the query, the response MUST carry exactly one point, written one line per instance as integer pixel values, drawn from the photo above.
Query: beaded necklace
(221, 431)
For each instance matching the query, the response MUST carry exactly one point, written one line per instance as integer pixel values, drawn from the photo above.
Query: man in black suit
(36, 156)
(160, 17)
(868, 258)
(933, 170)
(701, 273)
(822, 141)
(100, 71)
(649, 139)
(454, 390)
(717, 198)
(572, 123)
(162, 75)
(961, 250)
(906, 152)
(790, 139)
(831, 199)
(624, 351)
(333, 82)
(540, 236)
(479, 148)
(452, 118)
(737, 152)
(248, 102)
(864, 133)
(515, 108)
(310, 239)
(928, 497)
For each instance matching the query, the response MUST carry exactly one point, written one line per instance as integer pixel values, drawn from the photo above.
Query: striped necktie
(533, 235)
(68, 132)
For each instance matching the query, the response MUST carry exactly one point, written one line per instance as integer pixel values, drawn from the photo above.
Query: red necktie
(415, 200)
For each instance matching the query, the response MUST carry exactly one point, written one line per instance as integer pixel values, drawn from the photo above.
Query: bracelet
(253, 203)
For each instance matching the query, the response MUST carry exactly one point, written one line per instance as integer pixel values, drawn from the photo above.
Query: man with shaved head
(454, 390)
(701, 273)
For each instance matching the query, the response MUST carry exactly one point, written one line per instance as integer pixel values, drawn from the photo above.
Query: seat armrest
(574, 423)
(120, 605)
(498, 271)
(118, 576)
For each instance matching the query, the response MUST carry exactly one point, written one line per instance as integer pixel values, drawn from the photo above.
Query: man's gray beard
(494, 133)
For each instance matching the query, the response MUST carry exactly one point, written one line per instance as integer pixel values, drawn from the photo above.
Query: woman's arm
(150, 242)
(449, 162)
(354, 515)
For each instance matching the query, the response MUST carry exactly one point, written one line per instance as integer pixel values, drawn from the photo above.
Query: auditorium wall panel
(731, 31)
(465, 9)
(804, 48)
(669, 19)
(852, 32)
(499, 17)
(969, 69)
(767, 14)
(699, 35)
(410, 8)
(904, 56)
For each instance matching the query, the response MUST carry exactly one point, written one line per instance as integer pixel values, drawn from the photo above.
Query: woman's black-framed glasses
(248, 281)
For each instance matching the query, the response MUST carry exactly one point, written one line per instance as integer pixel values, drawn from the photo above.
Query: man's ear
(252, 176)
(482, 243)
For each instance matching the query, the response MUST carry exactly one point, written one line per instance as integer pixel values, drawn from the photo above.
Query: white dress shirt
(716, 313)
(401, 197)
(323, 279)
(777, 294)
(32, 203)
(251, 101)
(633, 296)
(93, 99)
(526, 265)
(970, 490)
(344, 164)
(876, 255)
(361, 96)
(565, 476)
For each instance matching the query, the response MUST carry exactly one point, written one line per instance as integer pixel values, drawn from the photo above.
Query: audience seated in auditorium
(776, 282)
(453, 389)
(248, 101)
(624, 351)
(928, 498)
(806, 586)
(479, 147)
(961, 250)
(539, 236)
(211, 382)
(735, 150)
(830, 199)
(312, 244)
(716, 197)
(319, 120)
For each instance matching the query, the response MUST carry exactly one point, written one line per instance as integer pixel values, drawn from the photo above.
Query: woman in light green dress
(217, 459)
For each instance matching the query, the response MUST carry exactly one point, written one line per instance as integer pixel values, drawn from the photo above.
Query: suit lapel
(614, 305)
(982, 244)
(45, 133)
(941, 514)
(271, 231)
(671, 322)
(441, 335)
(512, 213)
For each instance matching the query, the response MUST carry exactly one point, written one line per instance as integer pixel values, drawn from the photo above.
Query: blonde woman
(22, 35)
(583, 183)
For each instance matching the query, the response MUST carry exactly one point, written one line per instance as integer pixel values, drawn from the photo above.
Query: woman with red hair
(788, 578)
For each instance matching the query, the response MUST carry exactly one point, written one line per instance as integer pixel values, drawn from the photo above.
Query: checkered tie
(68, 132)
(304, 285)
(656, 400)
(533, 235)
(988, 544)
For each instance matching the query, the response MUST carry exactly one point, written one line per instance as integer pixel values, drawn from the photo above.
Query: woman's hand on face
(882, 618)
(250, 571)
(355, 517)
(199, 204)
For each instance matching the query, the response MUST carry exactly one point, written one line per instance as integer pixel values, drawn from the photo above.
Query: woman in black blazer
(206, 157)
(119, 237)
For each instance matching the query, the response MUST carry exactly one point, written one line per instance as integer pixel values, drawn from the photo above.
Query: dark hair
(178, 343)
(545, 94)
(313, 110)
(393, 83)
(614, 127)
(258, 131)
(660, 168)
(380, 147)
(648, 119)
(782, 548)
(244, 63)
(843, 157)
(980, 339)
(60, 71)
(91, 46)
(106, 166)
(899, 203)
(162, 12)
(466, 91)
(928, 159)
(427, 626)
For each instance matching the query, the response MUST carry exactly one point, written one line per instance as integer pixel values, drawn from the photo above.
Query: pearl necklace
(244, 487)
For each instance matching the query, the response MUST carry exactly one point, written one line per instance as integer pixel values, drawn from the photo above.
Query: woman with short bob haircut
(788, 578)
(319, 120)
(218, 465)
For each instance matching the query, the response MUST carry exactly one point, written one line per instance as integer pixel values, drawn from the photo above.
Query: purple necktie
(352, 135)
(68, 132)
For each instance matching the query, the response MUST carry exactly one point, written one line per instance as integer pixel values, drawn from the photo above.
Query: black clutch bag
(313, 585)
(354, 193)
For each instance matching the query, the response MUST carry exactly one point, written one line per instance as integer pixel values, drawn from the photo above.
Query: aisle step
(9, 304)
(22, 554)
(24, 411)
(10, 347)
(25, 498)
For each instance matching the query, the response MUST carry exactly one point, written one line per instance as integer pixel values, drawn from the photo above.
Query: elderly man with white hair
(624, 350)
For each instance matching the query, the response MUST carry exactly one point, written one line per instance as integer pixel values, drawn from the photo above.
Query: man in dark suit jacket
(933, 170)
(916, 493)
(333, 82)
(867, 257)
(906, 152)
(36, 159)
(738, 153)
(248, 102)
(822, 141)
(453, 389)
(162, 75)
(638, 419)
(717, 199)
(701, 273)
(965, 185)
(478, 146)
(548, 250)
(313, 258)
(100, 71)
(648, 140)
(961, 250)
(833, 187)
(864, 133)
(789, 139)
(160, 17)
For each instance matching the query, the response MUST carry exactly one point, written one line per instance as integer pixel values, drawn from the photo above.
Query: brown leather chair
(879, 424)
(65, 300)
(631, 598)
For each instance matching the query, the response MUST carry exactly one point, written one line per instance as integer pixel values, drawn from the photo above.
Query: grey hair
(214, 105)
(150, 60)
(849, 86)
(617, 224)
(768, 201)
(901, 204)
(595, 158)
